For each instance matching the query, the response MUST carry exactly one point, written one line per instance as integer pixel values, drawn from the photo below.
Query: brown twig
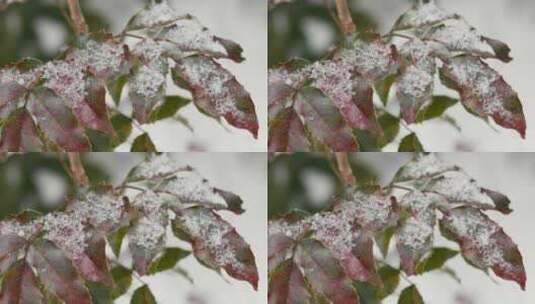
(344, 14)
(77, 170)
(344, 168)
(78, 20)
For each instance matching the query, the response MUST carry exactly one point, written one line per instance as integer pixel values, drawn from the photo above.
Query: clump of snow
(372, 211)
(191, 187)
(23, 230)
(423, 14)
(458, 35)
(149, 233)
(422, 166)
(414, 87)
(148, 81)
(102, 211)
(416, 236)
(458, 187)
(67, 78)
(149, 50)
(154, 14)
(68, 231)
(24, 79)
(104, 58)
(189, 34)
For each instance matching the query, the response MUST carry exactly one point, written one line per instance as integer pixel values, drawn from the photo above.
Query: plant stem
(344, 14)
(78, 20)
(77, 169)
(344, 168)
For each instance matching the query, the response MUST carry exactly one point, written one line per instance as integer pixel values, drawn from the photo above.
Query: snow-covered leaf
(10, 245)
(216, 92)
(484, 244)
(283, 82)
(216, 244)
(484, 92)
(423, 166)
(424, 13)
(459, 188)
(156, 166)
(20, 134)
(154, 14)
(56, 120)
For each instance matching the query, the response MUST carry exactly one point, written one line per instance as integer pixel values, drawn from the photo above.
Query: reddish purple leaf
(57, 274)
(57, 121)
(19, 134)
(147, 239)
(216, 244)
(9, 247)
(20, 286)
(324, 122)
(93, 112)
(216, 92)
(322, 271)
(10, 92)
(484, 92)
(484, 243)
(280, 247)
(287, 133)
(287, 285)
(283, 83)
(93, 264)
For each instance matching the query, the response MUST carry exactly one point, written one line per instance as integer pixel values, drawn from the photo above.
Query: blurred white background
(242, 173)
(243, 21)
(510, 173)
(510, 21)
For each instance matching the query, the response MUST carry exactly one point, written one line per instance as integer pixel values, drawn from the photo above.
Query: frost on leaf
(484, 243)
(216, 244)
(189, 187)
(458, 36)
(459, 188)
(147, 237)
(188, 36)
(148, 83)
(103, 211)
(155, 14)
(416, 235)
(423, 166)
(216, 92)
(20, 134)
(156, 166)
(424, 13)
(484, 92)
(56, 120)
(325, 125)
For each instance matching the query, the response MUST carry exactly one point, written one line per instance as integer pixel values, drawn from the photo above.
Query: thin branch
(344, 168)
(77, 17)
(77, 170)
(344, 14)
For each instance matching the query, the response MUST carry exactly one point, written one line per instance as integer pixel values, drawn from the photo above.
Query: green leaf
(168, 260)
(100, 294)
(100, 142)
(143, 295)
(123, 280)
(390, 277)
(436, 108)
(123, 127)
(115, 240)
(368, 294)
(382, 239)
(410, 143)
(367, 141)
(143, 143)
(169, 108)
(438, 257)
(115, 88)
(410, 295)
(382, 88)
(390, 126)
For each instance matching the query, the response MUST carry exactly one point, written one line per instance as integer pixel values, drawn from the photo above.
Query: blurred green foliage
(25, 178)
(289, 186)
(290, 26)
(21, 25)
